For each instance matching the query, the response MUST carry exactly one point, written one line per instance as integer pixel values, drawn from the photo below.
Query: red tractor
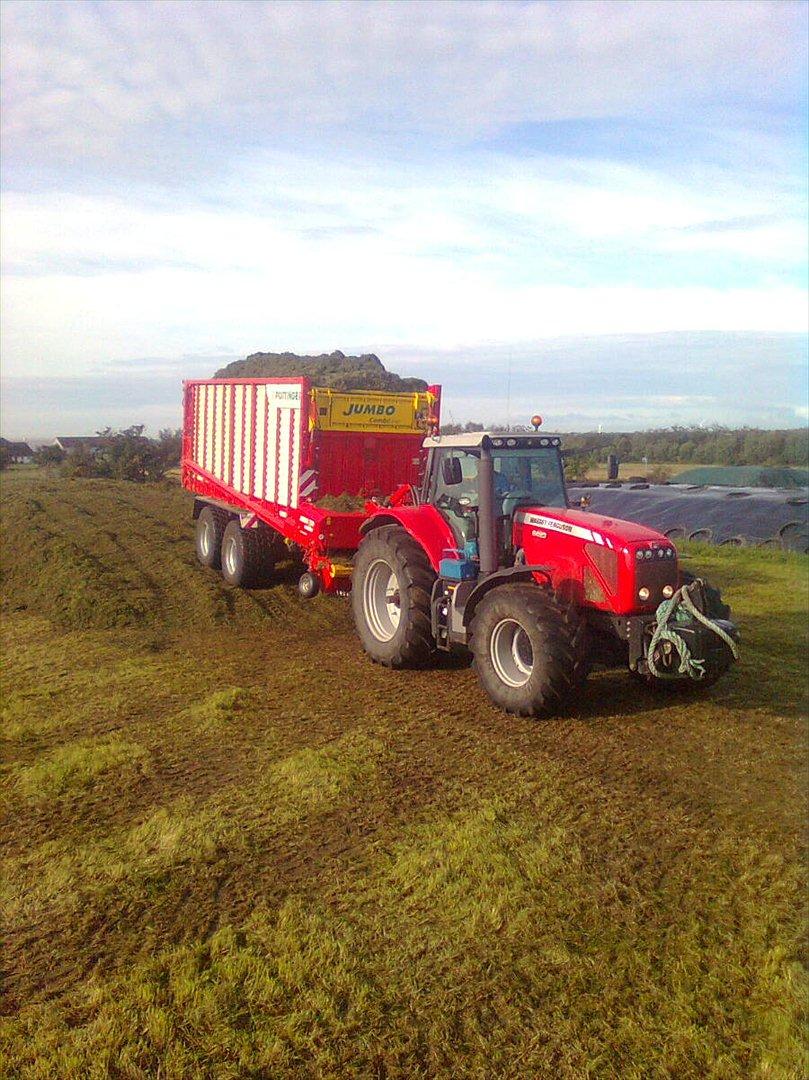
(487, 555)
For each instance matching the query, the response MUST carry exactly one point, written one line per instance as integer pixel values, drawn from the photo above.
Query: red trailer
(264, 452)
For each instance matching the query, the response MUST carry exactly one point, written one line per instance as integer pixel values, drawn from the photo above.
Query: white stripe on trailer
(207, 449)
(205, 459)
(261, 446)
(207, 453)
(238, 436)
(219, 457)
(213, 406)
(199, 397)
(252, 435)
(284, 427)
(196, 399)
(271, 452)
(224, 427)
(294, 479)
(552, 525)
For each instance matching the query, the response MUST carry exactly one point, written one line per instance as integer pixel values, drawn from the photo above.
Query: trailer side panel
(250, 436)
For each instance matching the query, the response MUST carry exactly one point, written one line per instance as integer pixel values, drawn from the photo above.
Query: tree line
(714, 445)
(126, 454)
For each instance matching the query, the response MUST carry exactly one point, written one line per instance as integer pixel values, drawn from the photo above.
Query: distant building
(19, 452)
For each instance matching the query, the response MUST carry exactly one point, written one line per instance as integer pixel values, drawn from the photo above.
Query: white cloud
(314, 256)
(104, 80)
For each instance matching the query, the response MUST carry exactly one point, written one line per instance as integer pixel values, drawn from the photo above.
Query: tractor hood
(585, 526)
(603, 562)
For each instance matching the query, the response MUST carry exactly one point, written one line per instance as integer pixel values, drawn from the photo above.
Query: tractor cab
(524, 470)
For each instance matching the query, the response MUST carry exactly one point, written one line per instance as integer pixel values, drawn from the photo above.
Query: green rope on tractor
(681, 607)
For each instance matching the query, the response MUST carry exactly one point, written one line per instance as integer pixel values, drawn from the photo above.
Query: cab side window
(469, 471)
(446, 497)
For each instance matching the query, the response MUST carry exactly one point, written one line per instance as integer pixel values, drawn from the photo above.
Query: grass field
(234, 848)
(638, 468)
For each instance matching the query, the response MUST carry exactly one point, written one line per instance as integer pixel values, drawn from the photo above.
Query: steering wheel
(461, 506)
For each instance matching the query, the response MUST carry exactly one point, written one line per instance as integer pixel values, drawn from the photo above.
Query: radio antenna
(508, 392)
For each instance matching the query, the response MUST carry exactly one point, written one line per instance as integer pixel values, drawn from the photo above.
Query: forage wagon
(462, 541)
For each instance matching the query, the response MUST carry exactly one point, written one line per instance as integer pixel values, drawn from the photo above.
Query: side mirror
(451, 472)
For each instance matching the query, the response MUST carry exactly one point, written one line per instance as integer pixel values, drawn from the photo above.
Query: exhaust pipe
(487, 529)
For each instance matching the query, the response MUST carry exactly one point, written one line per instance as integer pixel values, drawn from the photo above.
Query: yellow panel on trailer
(370, 410)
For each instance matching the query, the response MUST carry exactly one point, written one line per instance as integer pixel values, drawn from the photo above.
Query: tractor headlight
(644, 594)
(668, 591)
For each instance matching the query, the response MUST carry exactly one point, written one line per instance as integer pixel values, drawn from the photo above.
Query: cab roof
(498, 439)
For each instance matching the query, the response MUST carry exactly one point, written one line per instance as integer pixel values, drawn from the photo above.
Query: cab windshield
(522, 476)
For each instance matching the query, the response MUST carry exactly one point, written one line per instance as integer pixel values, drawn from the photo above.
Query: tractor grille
(655, 572)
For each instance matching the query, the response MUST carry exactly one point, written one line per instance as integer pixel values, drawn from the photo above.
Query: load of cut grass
(345, 503)
(336, 370)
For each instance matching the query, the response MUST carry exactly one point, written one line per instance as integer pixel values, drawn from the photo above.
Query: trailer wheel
(248, 555)
(308, 585)
(390, 598)
(211, 525)
(528, 649)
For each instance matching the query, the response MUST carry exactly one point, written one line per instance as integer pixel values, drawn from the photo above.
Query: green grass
(68, 769)
(639, 468)
(234, 848)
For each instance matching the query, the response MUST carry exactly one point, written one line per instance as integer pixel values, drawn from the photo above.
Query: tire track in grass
(181, 577)
(177, 873)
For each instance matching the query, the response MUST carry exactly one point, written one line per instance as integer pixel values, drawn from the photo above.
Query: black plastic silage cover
(757, 516)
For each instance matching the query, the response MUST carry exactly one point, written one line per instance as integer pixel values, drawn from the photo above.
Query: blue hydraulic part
(459, 564)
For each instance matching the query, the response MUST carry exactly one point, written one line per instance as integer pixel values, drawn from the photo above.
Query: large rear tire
(248, 555)
(390, 597)
(211, 525)
(528, 649)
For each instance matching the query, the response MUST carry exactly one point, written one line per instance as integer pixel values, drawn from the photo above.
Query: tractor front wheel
(390, 597)
(527, 649)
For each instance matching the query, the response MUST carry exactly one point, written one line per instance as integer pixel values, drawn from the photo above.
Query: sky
(593, 210)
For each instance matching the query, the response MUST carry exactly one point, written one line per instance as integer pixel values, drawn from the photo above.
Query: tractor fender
(507, 576)
(424, 523)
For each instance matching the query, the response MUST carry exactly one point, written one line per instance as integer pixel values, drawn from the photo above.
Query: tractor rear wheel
(528, 649)
(248, 555)
(211, 525)
(390, 596)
